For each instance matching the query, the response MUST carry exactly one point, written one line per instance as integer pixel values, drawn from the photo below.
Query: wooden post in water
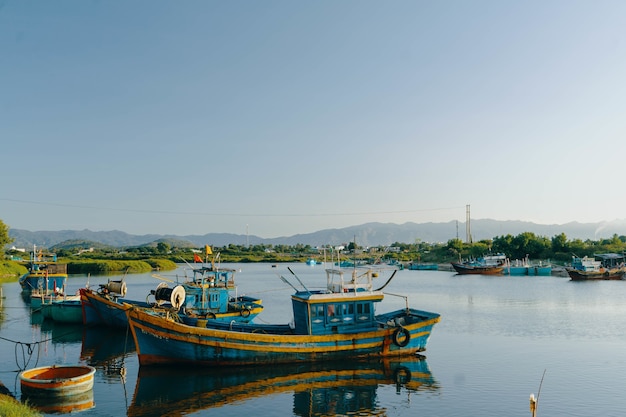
(533, 405)
(534, 401)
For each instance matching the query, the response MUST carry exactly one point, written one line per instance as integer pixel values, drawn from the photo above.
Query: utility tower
(468, 230)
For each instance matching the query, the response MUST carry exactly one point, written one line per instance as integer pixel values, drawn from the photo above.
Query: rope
(28, 349)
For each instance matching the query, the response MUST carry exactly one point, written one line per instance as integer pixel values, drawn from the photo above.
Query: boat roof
(339, 288)
(609, 256)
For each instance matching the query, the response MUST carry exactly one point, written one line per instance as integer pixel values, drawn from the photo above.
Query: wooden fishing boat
(487, 265)
(607, 266)
(206, 295)
(105, 306)
(44, 272)
(334, 323)
(57, 380)
(352, 385)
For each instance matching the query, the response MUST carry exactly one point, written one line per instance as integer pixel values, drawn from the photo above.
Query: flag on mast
(208, 250)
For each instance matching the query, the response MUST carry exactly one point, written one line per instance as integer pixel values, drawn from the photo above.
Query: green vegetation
(11, 269)
(10, 407)
(107, 266)
(5, 239)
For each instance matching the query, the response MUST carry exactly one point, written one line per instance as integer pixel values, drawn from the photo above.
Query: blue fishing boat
(519, 267)
(335, 323)
(68, 310)
(44, 273)
(206, 295)
(419, 266)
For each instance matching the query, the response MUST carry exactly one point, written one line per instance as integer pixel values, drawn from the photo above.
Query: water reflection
(318, 389)
(59, 333)
(107, 348)
(61, 405)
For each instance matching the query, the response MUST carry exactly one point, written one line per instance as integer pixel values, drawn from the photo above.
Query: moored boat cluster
(200, 322)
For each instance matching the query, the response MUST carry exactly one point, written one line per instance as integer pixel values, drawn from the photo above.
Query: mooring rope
(28, 349)
(25, 348)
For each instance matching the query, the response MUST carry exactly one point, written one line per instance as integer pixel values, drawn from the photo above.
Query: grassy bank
(10, 407)
(109, 267)
(11, 270)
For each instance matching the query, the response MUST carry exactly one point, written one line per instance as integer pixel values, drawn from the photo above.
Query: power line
(197, 213)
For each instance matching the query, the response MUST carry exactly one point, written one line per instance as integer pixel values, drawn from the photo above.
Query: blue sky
(279, 117)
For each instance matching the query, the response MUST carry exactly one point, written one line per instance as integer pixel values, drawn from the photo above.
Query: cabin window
(363, 311)
(346, 309)
(317, 311)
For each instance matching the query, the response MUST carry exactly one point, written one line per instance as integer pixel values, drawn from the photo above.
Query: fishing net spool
(175, 296)
(115, 287)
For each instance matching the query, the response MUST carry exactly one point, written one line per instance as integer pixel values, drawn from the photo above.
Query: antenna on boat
(287, 282)
(303, 286)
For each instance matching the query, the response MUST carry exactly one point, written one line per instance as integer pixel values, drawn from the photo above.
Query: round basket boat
(57, 380)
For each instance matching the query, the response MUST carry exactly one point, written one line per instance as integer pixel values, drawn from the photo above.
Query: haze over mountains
(369, 234)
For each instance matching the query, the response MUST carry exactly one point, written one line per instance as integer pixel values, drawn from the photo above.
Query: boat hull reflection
(319, 389)
(106, 348)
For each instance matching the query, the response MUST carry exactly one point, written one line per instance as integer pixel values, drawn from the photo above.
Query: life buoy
(401, 337)
(245, 312)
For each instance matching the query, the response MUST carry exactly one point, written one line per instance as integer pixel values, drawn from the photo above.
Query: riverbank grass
(10, 407)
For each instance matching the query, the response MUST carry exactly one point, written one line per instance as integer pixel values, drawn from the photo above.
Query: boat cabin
(346, 306)
(599, 262)
(493, 260)
(209, 289)
(611, 260)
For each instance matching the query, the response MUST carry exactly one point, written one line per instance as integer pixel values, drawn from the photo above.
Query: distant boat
(487, 265)
(337, 322)
(44, 272)
(311, 261)
(521, 267)
(418, 266)
(607, 266)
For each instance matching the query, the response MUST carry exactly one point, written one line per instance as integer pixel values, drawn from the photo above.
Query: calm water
(496, 338)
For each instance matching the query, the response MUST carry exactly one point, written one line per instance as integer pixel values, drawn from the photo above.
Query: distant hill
(369, 234)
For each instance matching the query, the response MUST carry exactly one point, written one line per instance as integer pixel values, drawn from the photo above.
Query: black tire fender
(401, 337)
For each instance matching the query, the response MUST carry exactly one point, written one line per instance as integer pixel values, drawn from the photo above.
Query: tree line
(557, 249)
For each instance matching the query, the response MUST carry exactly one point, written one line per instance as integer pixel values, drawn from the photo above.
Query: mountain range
(368, 234)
